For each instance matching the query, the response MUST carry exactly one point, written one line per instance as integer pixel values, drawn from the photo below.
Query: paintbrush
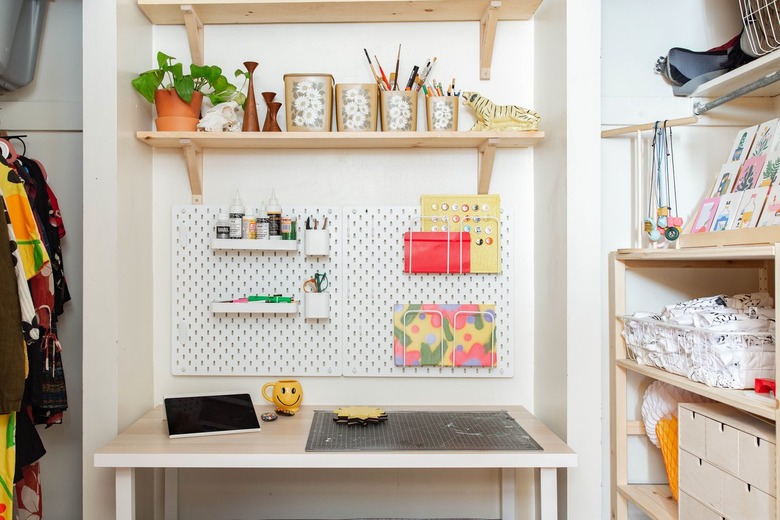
(376, 78)
(397, 64)
(382, 72)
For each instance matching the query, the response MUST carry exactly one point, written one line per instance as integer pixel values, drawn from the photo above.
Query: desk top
(282, 443)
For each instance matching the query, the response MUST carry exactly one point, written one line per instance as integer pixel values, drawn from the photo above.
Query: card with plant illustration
(725, 182)
(763, 138)
(451, 335)
(770, 216)
(742, 144)
(749, 173)
(770, 172)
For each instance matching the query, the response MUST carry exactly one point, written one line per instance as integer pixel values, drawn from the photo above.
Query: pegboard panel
(374, 282)
(205, 343)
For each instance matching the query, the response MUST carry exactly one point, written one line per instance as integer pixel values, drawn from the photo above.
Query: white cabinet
(656, 500)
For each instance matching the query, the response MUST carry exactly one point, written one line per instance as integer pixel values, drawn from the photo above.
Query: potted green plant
(178, 96)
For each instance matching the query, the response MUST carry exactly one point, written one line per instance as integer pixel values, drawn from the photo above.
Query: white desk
(281, 444)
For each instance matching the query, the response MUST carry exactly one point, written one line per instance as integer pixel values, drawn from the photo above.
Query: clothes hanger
(7, 150)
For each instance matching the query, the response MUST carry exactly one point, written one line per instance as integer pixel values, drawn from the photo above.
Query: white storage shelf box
(715, 358)
(726, 464)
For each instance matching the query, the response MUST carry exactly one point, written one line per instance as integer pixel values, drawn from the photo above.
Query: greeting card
(725, 182)
(770, 216)
(703, 221)
(726, 214)
(750, 208)
(742, 143)
(769, 172)
(763, 138)
(749, 173)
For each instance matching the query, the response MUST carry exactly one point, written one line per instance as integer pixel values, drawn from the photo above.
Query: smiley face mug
(286, 395)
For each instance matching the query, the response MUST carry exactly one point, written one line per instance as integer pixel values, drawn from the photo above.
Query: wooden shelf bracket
(193, 158)
(194, 33)
(487, 37)
(487, 154)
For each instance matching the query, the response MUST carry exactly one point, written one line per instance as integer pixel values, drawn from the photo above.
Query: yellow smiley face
(286, 395)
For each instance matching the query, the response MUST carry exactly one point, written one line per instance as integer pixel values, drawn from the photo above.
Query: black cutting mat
(421, 431)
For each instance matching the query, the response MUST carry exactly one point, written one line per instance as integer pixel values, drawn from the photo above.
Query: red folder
(437, 252)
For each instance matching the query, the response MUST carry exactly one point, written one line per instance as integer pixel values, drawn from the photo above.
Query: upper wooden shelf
(698, 254)
(195, 13)
(743, 76)
(169, 12)
(193, 143)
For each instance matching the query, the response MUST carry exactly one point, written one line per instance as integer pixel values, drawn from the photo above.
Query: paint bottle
(249, 225)
(274, 211)
(262, 224)
(223, 225)
(236, 216)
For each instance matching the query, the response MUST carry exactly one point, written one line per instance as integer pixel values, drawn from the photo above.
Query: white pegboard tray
(366, 279)
(254, 245)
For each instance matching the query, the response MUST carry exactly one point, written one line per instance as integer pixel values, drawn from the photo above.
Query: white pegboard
(366, 279)
(205, 343)
(373, 273)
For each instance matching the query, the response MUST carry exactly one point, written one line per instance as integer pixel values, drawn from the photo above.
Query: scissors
(316, 284)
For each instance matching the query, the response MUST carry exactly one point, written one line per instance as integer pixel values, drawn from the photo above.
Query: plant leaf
(163, 60)
(185, 87)
(147, 83)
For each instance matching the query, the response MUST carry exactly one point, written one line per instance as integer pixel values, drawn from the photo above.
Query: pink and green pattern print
(7, 465)
(447, 335)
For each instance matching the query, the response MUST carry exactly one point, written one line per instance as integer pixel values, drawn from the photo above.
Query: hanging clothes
(7, 462)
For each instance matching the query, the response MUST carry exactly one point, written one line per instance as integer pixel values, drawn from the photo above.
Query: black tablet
(189, 416)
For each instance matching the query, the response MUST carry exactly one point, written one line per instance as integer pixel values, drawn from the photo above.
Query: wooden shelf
(192, 145)
(761, 406)
(702, 254)
(253, 245)
(744, 76)
(655, 500)
(195, 13)
(759, 235)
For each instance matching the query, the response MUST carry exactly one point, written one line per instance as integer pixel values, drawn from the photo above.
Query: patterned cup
(356, 107)
(399, 110)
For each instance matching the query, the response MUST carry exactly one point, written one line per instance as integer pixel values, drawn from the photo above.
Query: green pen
(276, 298)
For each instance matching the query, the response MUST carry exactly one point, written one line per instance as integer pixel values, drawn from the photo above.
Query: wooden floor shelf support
(487, 37)
(194, 27)
(193, 158)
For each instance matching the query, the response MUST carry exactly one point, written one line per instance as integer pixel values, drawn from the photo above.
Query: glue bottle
(274, 211)
(262, 224)
(236, 216)
(249, 225)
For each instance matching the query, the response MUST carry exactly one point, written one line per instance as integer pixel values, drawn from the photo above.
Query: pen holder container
(399, 110)
(316, 305)
(442, 112)
(309, 102)
(356, 107)
(316, 242)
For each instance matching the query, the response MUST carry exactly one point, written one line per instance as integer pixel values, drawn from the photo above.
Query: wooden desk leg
(171, 494)
(508, 494)
(548, 484)
(125, 493)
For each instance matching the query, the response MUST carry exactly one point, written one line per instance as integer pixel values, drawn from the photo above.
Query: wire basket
(761, 19)
(715, 358)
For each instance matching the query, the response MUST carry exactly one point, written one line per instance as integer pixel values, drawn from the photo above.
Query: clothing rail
(649, 126)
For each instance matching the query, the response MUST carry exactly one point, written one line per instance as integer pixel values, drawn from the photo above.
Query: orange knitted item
(666, 431)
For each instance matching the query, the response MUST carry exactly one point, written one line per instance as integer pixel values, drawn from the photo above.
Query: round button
(434, 228)
(434, 207)
(444, 218)
(445, 207)
(455, 218)
(475, 207)
(467, 228)
(477, 219)
(485, 207)
(465, 208)
(455, 207)
(478, 229)
(489, 240)
(489, 230)
(445, 228)
(478, 241)
(434, 219)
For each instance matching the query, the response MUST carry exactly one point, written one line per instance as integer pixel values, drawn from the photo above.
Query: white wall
(634, 35)
(373, 177)
(49, 112)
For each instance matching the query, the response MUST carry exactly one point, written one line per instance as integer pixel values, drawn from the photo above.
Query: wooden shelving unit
(742, 77)
(192, 145)
(197, 13)
(655, 500)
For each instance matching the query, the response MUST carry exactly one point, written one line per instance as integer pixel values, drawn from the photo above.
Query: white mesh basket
(720, 359)
(761, 20)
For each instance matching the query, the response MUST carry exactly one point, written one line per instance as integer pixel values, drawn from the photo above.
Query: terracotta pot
(176, 124)
(169, 103)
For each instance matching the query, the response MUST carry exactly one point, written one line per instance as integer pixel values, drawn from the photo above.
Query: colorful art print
(769, 173)
(726, 214)
(770, 216)
(308, 105)
(725, 181)
(742, 143)
(703, 220)
(763, 138)
(447, 335)
(750, 208)
(749, 173)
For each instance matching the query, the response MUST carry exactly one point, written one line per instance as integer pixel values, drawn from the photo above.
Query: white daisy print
(308, 106)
